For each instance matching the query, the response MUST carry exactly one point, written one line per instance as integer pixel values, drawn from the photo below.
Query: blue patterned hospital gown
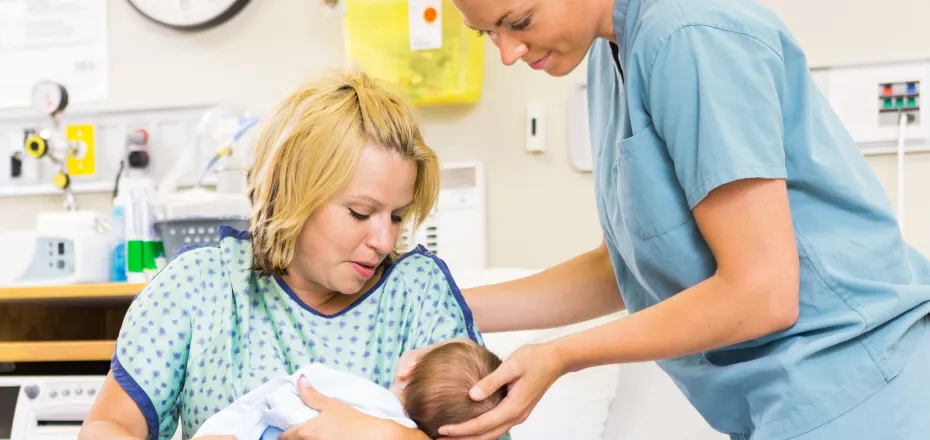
(205, 331)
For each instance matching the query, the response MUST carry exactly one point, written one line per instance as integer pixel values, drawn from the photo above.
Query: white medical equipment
(880, 105)
(50, 142)
(67, 247)
(229, 133)
(905, 119)
(456, 230)
(45, 407)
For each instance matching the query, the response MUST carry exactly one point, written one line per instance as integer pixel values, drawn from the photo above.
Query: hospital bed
(627, 402)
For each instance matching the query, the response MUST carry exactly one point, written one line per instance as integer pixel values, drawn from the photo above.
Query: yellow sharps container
(421, 46)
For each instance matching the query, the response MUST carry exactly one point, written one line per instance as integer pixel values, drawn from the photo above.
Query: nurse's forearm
(713, 314)
(579, 289)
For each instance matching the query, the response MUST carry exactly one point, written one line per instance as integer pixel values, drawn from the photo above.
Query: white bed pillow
(577, 405)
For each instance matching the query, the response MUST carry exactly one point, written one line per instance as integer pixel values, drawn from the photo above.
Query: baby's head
(437, 392)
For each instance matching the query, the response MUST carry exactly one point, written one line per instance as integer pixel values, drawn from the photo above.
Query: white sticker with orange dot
(425, 24)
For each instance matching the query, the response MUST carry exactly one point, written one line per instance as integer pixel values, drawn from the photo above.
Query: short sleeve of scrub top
(713, 134)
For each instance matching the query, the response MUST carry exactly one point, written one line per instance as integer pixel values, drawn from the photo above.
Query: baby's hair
(437, 394)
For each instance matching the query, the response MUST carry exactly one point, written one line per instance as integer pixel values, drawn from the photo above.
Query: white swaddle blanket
(277, 404)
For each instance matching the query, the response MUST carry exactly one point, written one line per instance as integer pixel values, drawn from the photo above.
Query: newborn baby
(435, 395)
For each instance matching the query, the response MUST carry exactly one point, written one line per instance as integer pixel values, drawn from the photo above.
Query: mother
(757, 253)
(340, 166)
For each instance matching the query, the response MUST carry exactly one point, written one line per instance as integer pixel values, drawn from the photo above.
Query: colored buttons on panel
(899, 96)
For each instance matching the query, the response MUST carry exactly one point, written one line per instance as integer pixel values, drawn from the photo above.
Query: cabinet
(62, 323)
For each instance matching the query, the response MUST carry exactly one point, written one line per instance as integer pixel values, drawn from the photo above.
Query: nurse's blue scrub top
(716, 91)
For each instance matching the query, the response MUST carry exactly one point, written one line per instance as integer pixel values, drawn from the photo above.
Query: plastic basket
(177, 234)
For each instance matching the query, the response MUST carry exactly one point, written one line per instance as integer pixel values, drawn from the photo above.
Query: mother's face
(343, 242)
(549, 35)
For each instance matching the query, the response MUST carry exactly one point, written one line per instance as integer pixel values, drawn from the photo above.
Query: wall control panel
(871, 99)
(897, 98)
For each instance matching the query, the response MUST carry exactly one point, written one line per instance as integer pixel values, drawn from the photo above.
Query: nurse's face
(549, 35)
(343, 242)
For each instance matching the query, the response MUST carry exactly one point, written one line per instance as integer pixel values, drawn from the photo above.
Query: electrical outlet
(83, 160)
(17, 168)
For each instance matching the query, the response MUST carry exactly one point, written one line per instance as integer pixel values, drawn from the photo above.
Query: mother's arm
(582, 288)
(114, 416)
(139, 397)
(338, 421)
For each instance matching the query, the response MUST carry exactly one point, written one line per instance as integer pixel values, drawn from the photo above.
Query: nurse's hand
(528, 373)
(340, 421)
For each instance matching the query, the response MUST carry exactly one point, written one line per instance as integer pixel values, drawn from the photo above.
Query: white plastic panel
(579, 141)
(854, 92)
(171, 132)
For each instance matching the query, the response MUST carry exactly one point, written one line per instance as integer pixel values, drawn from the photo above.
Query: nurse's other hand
(336, 420)
(527, 373)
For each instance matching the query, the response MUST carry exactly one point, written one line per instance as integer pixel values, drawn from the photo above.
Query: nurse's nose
(511, 49)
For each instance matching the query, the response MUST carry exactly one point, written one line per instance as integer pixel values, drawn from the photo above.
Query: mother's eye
(357, 215)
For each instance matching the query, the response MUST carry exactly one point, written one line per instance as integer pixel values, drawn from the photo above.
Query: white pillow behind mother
(578, 404)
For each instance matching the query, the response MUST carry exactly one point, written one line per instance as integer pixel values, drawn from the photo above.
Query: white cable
(902, 127)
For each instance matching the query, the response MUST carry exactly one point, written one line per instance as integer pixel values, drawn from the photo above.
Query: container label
(425, 24)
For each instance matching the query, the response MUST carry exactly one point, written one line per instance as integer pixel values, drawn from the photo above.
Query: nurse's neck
(603, 10)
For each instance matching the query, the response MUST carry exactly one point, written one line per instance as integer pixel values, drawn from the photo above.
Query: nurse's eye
(397, 219)
(482, 33)
(522, 24)
(357, 216)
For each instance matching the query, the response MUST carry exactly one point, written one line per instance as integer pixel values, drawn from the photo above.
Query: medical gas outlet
(897, 98)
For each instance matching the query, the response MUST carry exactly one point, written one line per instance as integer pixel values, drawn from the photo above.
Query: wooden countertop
(83, 292)
(56, 351)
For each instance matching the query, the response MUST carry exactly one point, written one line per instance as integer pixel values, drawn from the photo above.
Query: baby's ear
(407, 361)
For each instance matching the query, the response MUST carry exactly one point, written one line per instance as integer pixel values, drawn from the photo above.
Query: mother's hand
(338, 420)
(528, 373)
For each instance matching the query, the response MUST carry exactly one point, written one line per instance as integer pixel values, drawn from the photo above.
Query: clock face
(189, 14)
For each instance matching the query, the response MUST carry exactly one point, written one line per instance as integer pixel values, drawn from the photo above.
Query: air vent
(456, 228)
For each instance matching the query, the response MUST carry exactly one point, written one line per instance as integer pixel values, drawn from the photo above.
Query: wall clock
(189, 14)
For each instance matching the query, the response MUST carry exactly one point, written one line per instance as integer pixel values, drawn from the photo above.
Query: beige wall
(273, 44)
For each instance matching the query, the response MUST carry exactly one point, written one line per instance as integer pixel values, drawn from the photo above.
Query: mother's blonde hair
(307, 152)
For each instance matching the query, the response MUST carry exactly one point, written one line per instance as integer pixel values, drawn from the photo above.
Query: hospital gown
(206, 331)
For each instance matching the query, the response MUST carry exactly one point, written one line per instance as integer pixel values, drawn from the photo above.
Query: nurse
(756, 252)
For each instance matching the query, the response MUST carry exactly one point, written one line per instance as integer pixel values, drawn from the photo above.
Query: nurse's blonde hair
(307, 152)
